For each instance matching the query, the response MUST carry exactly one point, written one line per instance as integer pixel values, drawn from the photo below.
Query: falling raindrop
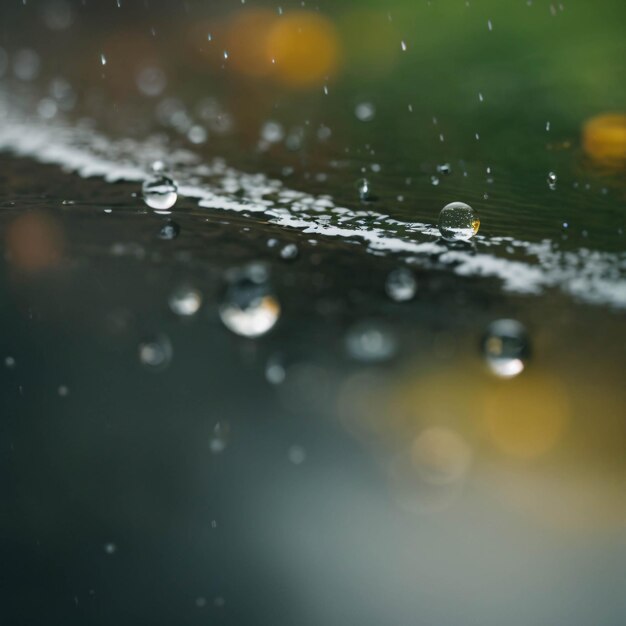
(160, 192)
(506, 347)
(250, 309)
(401, 285)
(185, 301)
(156, 352)
(458, 222)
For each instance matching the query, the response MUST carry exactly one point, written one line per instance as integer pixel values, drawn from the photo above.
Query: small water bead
(151, 81)
(444, 169)
(9, 362)
(219, 439)
(185, 301)
(365, 111)
(250, 309)
(296, 454)
(156, 352)
(63, 391)
(370, 342)
(275, 373)
(160, 192)
(458, 222)
(552, 178)
(289, 252)
(506, 347)
(364, 189)
(110, 548)
(170, 230)
(401, 285)
(26, 64)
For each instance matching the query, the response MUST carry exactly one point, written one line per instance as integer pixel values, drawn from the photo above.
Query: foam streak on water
(522, 266)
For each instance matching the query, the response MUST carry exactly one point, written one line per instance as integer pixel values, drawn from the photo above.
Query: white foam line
(590, 276)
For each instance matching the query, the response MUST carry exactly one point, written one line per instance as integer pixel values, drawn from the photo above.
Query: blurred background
(243, 377)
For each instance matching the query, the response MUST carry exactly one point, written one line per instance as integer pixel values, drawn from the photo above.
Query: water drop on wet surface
(458, 222)
(506, 348)
(160, 192)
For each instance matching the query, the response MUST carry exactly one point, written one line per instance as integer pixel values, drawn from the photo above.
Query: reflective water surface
(248, 377)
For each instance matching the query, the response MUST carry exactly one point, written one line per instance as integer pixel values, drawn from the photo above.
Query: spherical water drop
(370, 342)
(160, 192)
(401, 285)
(250, 309)
(506, 348)
(156, 352)
(458, 222)
(289, 252)
(185, 301)
(110, 548)
(365, 111)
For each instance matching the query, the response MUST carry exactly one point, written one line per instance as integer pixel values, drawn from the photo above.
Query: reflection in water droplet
(160, 192)
(156, 352)
(363, 187)
(506, 347)
(250, 309)
(185, 301)
(458, 222)
(370, 342)
(169, 230)
(401, 285)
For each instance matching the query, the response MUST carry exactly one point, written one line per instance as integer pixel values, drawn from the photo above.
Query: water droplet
(458, 222)
(250, 309)
(296, 454)
(403, 45)
(26, 64)
(363, 187)
(185, 301)
(110, 548)
(289, 252)
(365, 111)
(370, 342)
(272, 132)
(156, 352)
(219, 439)
(506, 347)
(275, 371)
(434, 180)
(444, 169)
(9, 362)
(63, 391)
(151, 81)
(160, 192)
(401, 285)
(552, 178)
(200, 602)
(170, 230)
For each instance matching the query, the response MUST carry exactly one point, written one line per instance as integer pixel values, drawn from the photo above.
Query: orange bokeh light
(305, 49)
(604, 137)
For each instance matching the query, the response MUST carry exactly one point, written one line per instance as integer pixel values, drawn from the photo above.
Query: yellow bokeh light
(526, 417)
(604, 137)
(304, 47)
